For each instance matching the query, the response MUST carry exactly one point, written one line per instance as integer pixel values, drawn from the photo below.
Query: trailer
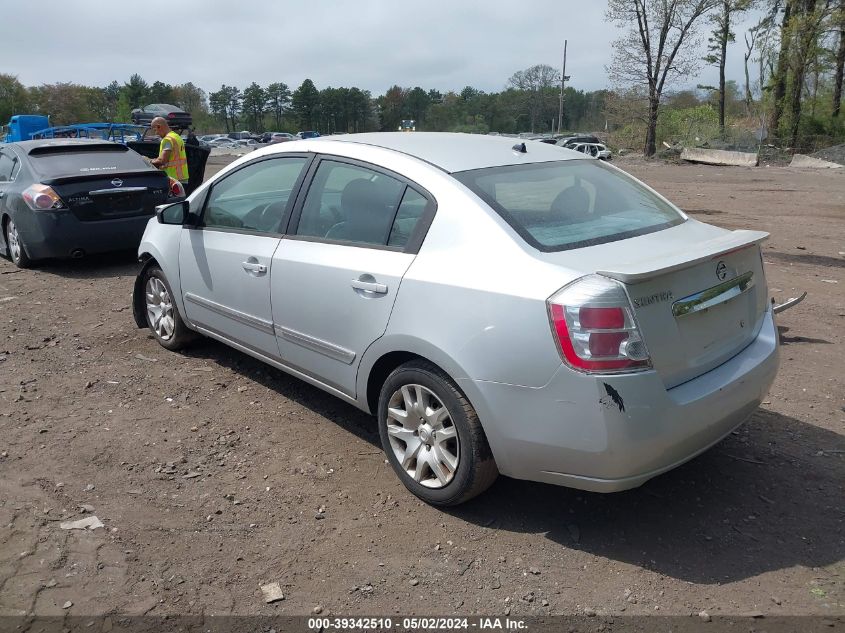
(117, 132)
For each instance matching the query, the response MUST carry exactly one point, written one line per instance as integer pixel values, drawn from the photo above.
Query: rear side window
(7, 166)
(570, 204)
(76, 160)
(410, 211)
(349, 203)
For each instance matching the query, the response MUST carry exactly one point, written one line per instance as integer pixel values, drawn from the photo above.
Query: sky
(371, 44)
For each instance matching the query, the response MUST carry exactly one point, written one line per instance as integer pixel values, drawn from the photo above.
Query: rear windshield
(72, 160)
(570, 204)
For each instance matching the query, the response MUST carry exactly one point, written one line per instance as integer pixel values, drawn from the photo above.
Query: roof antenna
(520, 147)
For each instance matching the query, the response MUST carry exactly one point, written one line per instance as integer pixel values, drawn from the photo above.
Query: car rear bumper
(611, 433)
(60, 234)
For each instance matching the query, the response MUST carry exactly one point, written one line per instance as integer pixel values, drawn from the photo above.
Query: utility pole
(563, 79)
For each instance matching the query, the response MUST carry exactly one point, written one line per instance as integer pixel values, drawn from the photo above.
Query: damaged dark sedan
(64, 198)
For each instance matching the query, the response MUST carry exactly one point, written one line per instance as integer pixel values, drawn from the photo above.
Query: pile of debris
(835, 154)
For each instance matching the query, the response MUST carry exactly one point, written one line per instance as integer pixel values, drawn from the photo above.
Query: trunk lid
(699, 293)
(114, 196)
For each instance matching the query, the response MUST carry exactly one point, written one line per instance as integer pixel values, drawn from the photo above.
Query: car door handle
(254, 267)
(369, 286)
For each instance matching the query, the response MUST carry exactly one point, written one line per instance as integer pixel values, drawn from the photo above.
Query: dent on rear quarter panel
(614, 398)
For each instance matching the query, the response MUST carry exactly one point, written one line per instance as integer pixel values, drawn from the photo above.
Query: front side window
(254, 198)
(350, 203)
(570, 204)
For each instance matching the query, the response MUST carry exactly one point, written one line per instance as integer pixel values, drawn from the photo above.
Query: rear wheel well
(379, 373)
(382, 369)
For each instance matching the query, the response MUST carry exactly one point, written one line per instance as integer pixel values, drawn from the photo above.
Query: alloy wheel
(159, 309)
(14, 241)
(422, 436)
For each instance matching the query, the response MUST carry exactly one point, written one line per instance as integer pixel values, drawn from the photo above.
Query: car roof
(454, 152)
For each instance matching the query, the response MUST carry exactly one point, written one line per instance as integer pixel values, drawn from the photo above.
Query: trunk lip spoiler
(102, 175)
(648, 268)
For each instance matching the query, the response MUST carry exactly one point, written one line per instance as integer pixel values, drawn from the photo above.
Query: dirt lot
(210, 470)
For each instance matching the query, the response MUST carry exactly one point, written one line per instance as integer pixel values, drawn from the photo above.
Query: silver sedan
(500, 308)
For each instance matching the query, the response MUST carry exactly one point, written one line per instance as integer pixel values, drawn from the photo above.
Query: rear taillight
(171, 115)
(595, 329)
(176, 190)
(40, 197)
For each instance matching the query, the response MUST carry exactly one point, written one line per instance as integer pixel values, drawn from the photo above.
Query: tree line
(528, 103)
(791, 95)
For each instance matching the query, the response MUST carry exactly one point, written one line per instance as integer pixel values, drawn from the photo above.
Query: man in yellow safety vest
(171, 152)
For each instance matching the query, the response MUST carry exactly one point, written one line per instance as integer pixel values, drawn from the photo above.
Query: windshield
(570, 204)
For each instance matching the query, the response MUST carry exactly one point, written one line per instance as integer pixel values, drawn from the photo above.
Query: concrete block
(719, 157)
(800, 160)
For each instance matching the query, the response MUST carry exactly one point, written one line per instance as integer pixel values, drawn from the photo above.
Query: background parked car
(69, 198)
(176, 118)
(307, 134)
(538, 314)
(268, 137)
(572, 139)
(596, 150)
(222, 141)
(281, 137)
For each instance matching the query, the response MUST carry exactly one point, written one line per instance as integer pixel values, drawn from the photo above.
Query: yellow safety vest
(177, 166)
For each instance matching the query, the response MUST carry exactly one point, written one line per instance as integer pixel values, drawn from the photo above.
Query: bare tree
(536, 84)
(750, 40)
(840, 61)
(806, 27)
(782, 68)
(657, 47)
(718, 46)
(767, 43)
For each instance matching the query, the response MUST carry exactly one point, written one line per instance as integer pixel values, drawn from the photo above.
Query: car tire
(161, 313)
(15, 245)
(441, 453)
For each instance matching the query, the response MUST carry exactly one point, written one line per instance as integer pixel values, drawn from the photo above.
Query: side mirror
(178, 213)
